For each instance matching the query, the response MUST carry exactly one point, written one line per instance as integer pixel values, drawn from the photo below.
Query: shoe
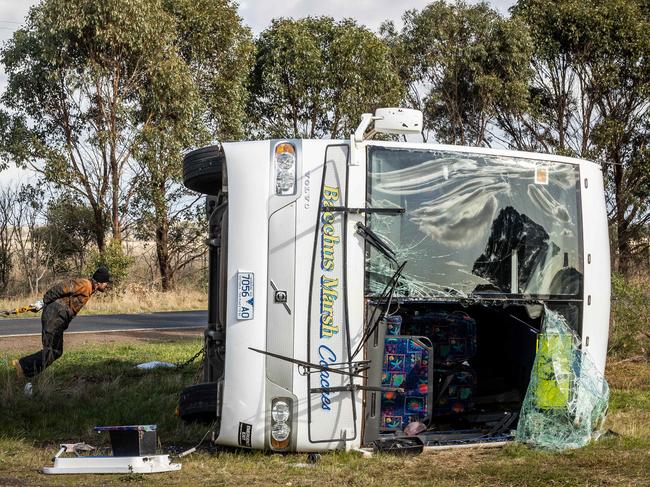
(19, 370)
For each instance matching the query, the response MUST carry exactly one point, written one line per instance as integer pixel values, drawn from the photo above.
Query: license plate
(245, 295)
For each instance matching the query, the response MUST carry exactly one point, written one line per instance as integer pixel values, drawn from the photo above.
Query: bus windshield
(474, 224)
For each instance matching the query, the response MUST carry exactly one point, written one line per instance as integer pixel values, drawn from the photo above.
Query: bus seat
(408, 364)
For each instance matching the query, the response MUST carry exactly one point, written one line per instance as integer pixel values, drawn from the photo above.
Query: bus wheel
(198, 403)
(203, 170)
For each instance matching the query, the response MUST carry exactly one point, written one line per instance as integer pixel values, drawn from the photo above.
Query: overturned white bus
(358, 287)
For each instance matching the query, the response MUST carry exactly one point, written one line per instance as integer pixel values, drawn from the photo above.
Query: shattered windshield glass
(567, 398)
(474, 223)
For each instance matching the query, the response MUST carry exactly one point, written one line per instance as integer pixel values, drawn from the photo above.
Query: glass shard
(567, 398)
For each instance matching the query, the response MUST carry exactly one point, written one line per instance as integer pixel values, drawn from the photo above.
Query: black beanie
(101, 274)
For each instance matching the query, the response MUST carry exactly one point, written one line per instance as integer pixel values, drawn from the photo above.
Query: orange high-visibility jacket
(74, 293)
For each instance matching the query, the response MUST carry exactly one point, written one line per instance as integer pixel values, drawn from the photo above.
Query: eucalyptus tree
(75, 70)
(206, 102)
(315, 76)
(460, 63)
(589, 97)
(103, 96)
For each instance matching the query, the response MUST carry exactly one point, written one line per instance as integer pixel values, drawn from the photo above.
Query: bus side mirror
(398, 121)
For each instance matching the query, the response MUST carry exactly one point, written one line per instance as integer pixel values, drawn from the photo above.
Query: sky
(258, 14)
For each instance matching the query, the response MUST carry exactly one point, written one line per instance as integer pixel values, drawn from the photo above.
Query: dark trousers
(54, 320)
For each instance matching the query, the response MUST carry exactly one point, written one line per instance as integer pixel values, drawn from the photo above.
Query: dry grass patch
(609, 463)
(633, 423)
(137, 298)
(628, 374)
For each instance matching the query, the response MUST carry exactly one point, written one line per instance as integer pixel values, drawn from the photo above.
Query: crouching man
(61, 304)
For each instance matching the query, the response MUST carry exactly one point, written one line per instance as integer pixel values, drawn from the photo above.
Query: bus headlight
(285, 169)
(280, 432)
(281, 409)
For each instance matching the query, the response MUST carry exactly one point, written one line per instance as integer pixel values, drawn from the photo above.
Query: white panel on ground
(77, 465)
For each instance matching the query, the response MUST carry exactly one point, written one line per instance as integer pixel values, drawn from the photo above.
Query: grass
(100, 385)
(630, 319)
(132, 298)
(141, 299)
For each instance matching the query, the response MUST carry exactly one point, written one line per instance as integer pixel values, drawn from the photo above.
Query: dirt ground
(80, 340)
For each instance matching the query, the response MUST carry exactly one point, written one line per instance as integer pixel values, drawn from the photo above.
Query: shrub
(115, 259)
(629, 332)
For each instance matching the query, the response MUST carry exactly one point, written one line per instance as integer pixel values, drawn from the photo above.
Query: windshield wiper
(377, 242)
(387, 298)
(304, 368)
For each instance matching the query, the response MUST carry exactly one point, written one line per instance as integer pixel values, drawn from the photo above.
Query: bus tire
(198, 403)
(203, 170)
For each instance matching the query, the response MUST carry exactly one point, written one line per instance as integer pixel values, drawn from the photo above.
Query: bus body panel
(243, 411)
(333, 422)
(597, 279)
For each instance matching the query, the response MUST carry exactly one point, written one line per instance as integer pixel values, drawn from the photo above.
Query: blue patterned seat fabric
(453, 335)
(406, 365)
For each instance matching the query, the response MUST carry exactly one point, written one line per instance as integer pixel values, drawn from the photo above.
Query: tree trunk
(623, 247)
(161, 218)
(99, 229)
(162, 252)
(115, 206)
(622, 243)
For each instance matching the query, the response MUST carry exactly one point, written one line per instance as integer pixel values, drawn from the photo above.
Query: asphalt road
(108, 323)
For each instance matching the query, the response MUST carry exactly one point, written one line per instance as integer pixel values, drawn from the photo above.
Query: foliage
(629, 332)
(104, 97)
(460, 63)
(114, 258)
(588, 97)
(67, 232)
(75, 71)
(209, 101)
(314, 77)
(218, 51)
(88, 79)
(31, 249)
